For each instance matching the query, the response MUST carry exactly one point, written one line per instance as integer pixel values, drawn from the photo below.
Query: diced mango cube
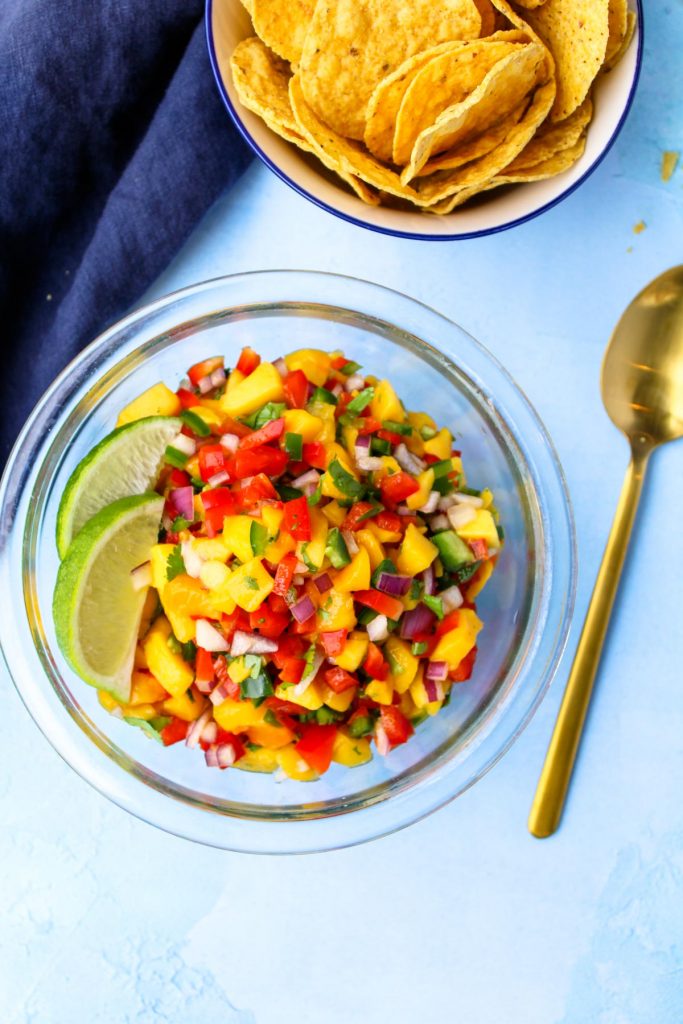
(338, 701)
(261, 760)
(145, 689)
(237, 536)
(416, 552)
(158, 558)
(236, 715)
(402, 662)
(185, 705)
(482, 527)
(334, 513)
(214, 574)
(457, 643)
(262, 386)
(349, 750)
(426, 482)
(268, 735)
(155, 401)
(440, 445)
(373, 546)
(298, 421)
(380, 690)
(314, 549)
(185, 600)
(293, 765)
(386, 404)
(250, 584)
(356, 575)
(171, 669)
(354, 651)
(336, 611)
(314, 363)
(311, 698)
(479, 580)
(211, 548)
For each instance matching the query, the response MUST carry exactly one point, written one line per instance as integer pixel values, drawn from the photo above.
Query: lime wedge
(126, 462)
(96, 609)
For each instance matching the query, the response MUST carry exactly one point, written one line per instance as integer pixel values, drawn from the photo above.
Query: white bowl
(227, 23)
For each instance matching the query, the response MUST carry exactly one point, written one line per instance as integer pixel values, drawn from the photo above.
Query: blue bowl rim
(416, 235)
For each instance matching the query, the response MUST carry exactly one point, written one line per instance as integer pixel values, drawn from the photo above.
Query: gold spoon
(642, 390)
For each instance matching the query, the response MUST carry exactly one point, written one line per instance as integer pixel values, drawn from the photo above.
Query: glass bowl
(526, 607)
(228, 22)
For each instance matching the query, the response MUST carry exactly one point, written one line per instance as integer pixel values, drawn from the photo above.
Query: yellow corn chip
(466, 152)
(446, 80)
(554, 165)
(502, 90)
(283, 24)
(617, 21)
(262, 83)
(488, 17)
(351, 45)
(631, 22)
(551, 138)
(576, 32)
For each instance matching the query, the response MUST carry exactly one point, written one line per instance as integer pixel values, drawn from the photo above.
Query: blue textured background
(464, 916)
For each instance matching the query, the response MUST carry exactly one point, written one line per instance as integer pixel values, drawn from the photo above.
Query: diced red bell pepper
(267, 460)
(295, 386)
(381, 603)
(464, 669)
(285, 574)
(213, 459)
(338, 362)
(315, 746)
(339, 680)
(374, 664)
(204, 670)
(448, 623)
(218, 504)
(315, 454)
(297, 520)
(292, 670)
(369, 425)
(395, 724)
(187, 398)
(258, 489)
(390, 436)
(269, 623)
(237, 620)
(204, 369)
(284, 709)
(333, 641)
(304, 628)
(179, 478)
(270, 432)
(248, 361)
(278, 604)
(398, 487)
(174, 732)
(392, 521)
(354, 518)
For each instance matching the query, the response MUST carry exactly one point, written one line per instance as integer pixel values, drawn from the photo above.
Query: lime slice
(126, 462)
(96, 609)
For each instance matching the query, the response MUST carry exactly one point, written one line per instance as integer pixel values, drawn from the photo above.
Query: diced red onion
(230, 442)
(323, 583)
(433, 689)
(141, 576)
(460, 515)
(309, 675)
(382, 740)
(117, 712)
(225, 753)
(468, 499)
(427, 577)
(437, 671)
(210, 732)
(390, 583)
(407, 460)
(193, 562)
(281, 367)
(431, 504)
(220, 693)
(355, 382)
(361, 449)
(303, 609)
(438, 523)
(451, 599)
(417, 620)
(251, 643)
(205, 685)
(218, 479)
(351, 543)
(337, 390)
(298, 580)
(184, 444)
(217, 377)
(211, 756)
(403, 510)
(183, 500)
(209, 638)
(307, 482)
(196, 728)
(378, 630)
(204, 384)
(370, 463)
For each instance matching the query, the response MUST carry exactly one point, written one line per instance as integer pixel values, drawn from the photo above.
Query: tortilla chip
(453, 188)
(502, 90)
(446, 80)
(488, 17)
(249, 5)
(551, 138)
(576, 31)
(475, 148)
(549, 168)
(345, 156)
(530, 3)
(352, 45)
(262, 83)
(283, 24)
(617, 21)
(385, 101)
(631, 22)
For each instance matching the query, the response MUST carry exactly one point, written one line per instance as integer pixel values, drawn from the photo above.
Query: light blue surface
(463, 917)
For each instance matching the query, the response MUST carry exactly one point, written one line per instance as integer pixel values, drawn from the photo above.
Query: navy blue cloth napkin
(113, 143)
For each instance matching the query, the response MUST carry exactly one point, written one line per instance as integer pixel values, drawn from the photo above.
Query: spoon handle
(546, 810)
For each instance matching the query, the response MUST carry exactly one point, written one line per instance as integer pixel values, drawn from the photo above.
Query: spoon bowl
(642, 390)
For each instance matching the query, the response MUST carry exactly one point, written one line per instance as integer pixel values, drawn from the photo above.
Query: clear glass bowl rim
(396, 811)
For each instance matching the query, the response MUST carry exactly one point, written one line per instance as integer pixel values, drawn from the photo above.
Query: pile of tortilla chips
(431, 102)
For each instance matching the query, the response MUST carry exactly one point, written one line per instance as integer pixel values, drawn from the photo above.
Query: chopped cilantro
(175, 563)
(251, 583)
(179, 523)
